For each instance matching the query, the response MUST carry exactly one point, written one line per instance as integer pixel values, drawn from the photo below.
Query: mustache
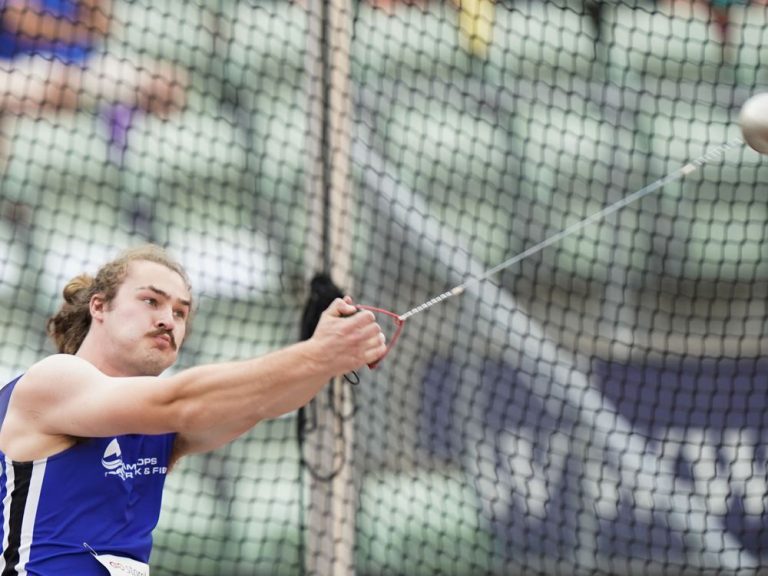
(164, 332)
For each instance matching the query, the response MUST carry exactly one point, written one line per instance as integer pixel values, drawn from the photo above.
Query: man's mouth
(165, 336)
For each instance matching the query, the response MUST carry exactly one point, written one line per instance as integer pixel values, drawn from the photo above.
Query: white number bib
(119, 566)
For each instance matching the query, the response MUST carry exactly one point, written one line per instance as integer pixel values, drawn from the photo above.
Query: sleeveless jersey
(101, 493)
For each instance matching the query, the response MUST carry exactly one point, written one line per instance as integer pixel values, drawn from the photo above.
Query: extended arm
(64, 397)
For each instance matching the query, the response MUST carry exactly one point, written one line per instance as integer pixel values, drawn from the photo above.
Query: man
(90, 433)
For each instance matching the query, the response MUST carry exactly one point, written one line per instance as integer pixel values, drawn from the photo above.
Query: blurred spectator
(49, 60)
(720, 15)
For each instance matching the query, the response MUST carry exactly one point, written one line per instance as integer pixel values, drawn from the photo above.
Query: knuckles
(356, 332)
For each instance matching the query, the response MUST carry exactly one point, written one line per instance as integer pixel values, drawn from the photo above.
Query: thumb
(342, 307)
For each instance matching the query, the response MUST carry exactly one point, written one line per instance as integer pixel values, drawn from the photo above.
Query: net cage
(601, 407)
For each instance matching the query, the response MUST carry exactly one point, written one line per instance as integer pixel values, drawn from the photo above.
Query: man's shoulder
(27, 433)
(60, 361)
(57, 368)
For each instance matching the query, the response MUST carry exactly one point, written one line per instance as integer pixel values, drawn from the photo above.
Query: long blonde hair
(69, 326)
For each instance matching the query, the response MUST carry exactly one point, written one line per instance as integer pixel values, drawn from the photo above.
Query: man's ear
(97, 306)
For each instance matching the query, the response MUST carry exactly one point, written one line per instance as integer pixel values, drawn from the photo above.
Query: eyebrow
(164, 294)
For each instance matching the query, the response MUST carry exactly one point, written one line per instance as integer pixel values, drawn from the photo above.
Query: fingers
(376, 348)
(356, 332)
(341, 307)
(372, 339)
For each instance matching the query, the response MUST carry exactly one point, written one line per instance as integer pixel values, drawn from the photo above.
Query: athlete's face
(146, 322)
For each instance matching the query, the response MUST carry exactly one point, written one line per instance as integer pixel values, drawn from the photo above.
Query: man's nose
(165, 319)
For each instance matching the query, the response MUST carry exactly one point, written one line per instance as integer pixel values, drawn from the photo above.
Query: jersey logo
(143, 466)
(113, 460)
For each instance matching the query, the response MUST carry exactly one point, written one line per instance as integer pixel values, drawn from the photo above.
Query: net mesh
(598, 408)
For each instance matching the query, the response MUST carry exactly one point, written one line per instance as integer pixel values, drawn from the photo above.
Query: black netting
(597, 408)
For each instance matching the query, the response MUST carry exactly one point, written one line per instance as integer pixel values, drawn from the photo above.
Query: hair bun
(78, 288)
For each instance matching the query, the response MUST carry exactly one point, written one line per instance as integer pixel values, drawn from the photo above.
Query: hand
(348, 338)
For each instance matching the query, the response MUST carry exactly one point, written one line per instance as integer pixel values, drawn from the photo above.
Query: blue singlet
(103, 492)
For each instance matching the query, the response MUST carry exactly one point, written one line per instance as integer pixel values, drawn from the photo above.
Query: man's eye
(180, 314)
(150, 301)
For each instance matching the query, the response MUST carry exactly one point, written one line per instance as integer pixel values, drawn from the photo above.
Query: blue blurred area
(704, 418)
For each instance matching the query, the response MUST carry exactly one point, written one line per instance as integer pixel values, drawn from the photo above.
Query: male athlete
(88, 435)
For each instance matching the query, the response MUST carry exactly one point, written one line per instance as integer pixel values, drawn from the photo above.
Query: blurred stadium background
(602, 408)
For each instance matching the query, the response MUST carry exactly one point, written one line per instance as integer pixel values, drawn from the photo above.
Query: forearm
(240, 394)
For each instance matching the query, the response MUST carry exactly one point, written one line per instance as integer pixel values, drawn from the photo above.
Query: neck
(106, 355)
(91, 351)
